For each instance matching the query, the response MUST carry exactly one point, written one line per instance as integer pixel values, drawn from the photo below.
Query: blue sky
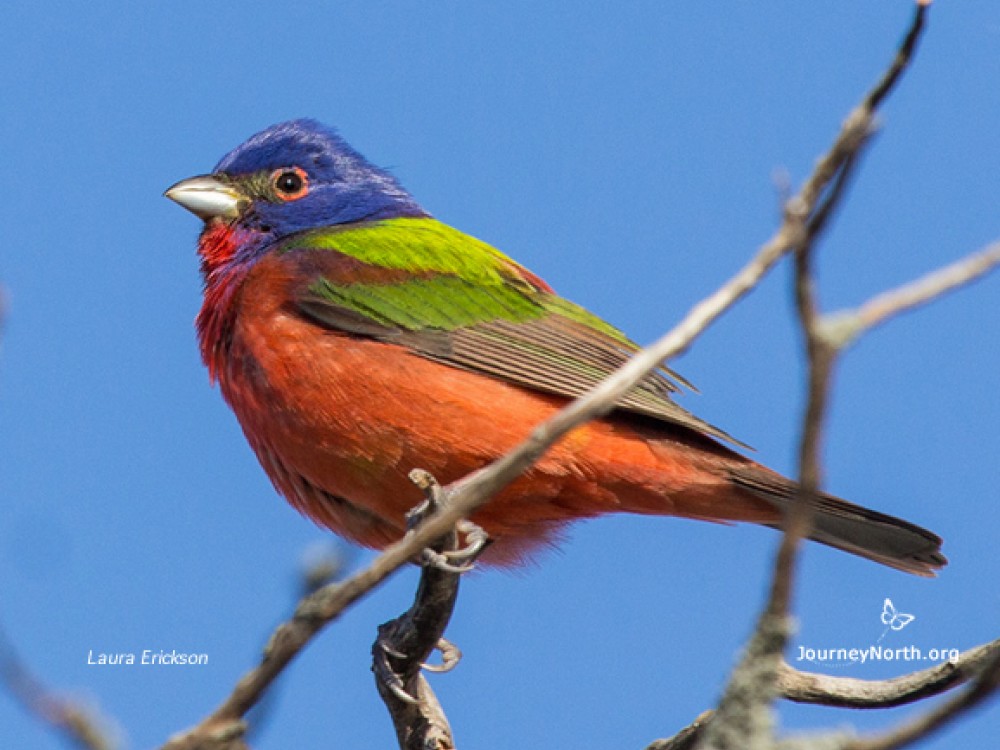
(625, 152)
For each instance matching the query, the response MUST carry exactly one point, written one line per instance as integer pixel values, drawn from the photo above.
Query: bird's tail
(838, 523)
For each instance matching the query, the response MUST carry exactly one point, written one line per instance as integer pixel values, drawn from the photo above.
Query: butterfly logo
(893, 618)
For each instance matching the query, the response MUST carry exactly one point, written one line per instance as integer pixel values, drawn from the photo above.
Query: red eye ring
(290, 183)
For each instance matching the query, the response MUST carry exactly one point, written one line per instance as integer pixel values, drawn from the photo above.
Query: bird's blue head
(294, 176)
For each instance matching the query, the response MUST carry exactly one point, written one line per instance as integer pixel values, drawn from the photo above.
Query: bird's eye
(290, 184)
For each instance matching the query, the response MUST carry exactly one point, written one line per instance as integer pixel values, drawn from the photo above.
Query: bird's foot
(475, 539)
(460, 560)
(405, 644)
(386, 674)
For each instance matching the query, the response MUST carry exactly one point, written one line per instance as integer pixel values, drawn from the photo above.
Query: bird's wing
(447, 296)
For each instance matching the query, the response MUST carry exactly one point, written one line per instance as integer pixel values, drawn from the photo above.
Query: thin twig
(79, 724)
(820, 363)
(322, 563)
(84, 727)
(843, 327)
(981, 663)
(819, 351)
(903, 57)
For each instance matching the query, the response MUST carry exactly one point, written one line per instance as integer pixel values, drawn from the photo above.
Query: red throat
(217, 247)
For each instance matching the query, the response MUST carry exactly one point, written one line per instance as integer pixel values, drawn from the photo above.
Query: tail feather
(860, 531)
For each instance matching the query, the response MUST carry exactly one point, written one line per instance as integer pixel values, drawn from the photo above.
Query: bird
(356, 337)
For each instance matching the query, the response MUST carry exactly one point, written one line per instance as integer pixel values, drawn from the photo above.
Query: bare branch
(982, 662)
(79, 724)
(404, 644)
(422, 724)
(225, 724)
(846, 692)
(687, 737)
(322, 563)
(841, 328)
(744, 716)
(903, 57)
(985, 685)
(809, 687)
(820, 360)
(731, 726)
(83, 726)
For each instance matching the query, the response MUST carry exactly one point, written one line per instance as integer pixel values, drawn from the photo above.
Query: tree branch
(847, 692)
(82, 726)
(687, 737)
(841, 328)
(404, 644)
(740, 718)
(744, 716)
(980, 664)
(985, 685)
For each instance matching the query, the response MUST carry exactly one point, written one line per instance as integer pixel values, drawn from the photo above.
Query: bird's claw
(416, 515)
(458, 561)
(476, 540)
(390, 651)
(439, 560)
(451, 655)
(449, 561)
(386, 675)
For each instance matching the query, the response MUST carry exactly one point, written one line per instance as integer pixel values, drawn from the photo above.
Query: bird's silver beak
(207, 197)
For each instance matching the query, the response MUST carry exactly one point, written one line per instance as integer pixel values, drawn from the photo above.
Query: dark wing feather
(557, 355)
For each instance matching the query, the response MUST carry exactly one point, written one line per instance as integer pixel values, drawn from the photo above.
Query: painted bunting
(356, 338)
